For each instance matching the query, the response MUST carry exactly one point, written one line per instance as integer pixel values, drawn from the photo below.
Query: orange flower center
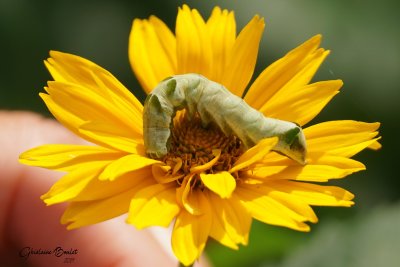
(193, 144)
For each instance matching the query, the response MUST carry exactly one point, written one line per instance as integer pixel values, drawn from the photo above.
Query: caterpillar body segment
(214, 103)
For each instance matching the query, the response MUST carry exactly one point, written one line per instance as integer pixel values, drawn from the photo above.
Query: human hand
(27, 224)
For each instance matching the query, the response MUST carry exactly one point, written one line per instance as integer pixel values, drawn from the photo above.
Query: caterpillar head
(293, 144)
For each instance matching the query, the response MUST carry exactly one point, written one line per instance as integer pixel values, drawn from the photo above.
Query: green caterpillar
(214, 103)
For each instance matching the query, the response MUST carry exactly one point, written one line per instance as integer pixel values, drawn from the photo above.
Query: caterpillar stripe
(214, 103)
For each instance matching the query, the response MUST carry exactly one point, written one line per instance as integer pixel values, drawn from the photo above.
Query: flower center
(192, 144)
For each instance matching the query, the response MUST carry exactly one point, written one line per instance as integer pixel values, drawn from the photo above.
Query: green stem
(181, 265)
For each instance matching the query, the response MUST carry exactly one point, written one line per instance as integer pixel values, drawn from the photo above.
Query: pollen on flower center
(193, 145)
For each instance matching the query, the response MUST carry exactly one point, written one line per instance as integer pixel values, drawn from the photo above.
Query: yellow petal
(97, 189)
(222, 30)
(219, 233)
(333, 136)
(193, 44)
(188, 198)
(78, 111)
(279, 73)
(320, 168)
(352, 150)
(302, 78)
(125, 165)
(242, 59)
(222, 183)
(167, 39)
(66, 157)
(66, 118)
(85, 92)
(254, 154)
(162, 174)
(84, 213)
(375, 146)
(208, 165)
(71, 184)
(335, 161)
(268, 210)
(106, 135)
(298, 210)
(73, 69)
(293, 203)
(231, 221)
(177, 166)
(152, 52)
(302, 104)
(153, 206)
(89, 106)
(276, 159)
(190, 232)
(316, 195)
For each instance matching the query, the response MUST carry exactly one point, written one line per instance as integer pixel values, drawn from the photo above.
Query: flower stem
(182, 265)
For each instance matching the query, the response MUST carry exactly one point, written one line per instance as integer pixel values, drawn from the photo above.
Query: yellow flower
(207, 185)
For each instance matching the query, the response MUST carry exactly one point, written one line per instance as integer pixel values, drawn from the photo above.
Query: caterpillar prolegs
(214, 103)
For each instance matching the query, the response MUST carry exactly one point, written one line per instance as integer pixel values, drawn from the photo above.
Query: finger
(28, 223)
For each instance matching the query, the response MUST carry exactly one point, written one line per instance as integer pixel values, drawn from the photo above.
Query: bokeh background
(364, 37)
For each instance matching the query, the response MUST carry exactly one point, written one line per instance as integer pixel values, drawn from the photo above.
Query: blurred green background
(364, 37)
